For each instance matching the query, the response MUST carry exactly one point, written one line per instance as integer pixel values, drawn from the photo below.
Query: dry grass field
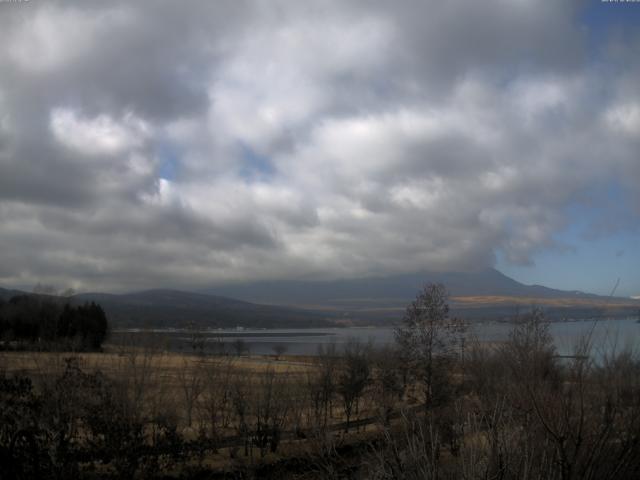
(223, 402)
(497, 300)
(188, 387)
(165, 364)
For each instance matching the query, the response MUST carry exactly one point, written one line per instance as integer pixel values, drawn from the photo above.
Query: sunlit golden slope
(498, 300)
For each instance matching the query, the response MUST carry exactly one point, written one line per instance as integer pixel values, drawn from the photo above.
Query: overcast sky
(188, 144)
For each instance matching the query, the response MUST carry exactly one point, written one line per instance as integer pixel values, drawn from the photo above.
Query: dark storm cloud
(390, 137)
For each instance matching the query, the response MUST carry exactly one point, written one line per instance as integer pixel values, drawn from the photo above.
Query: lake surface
(607, 335)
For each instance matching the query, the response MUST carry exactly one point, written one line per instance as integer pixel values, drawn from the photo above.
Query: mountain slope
(173, 308)
(6, 294)
(398, 288)
(485, 294)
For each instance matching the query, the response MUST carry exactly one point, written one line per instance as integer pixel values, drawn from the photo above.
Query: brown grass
(497, 300)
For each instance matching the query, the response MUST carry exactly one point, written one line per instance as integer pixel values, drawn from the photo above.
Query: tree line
(43, 321)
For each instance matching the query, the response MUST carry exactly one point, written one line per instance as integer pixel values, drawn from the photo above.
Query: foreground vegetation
(437, 405)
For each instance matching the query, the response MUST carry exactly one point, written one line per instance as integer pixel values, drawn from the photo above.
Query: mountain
(400, 288)
(485, 294)
(6, 294)
(173, 308)
(482, 294)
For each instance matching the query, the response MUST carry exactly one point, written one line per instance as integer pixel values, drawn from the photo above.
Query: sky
(189, 144)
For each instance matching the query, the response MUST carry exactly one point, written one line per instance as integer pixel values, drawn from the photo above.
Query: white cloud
(305, 139)
(100, 135)
(50, 38)
(5, 119)
(275, 80)
(624, 118)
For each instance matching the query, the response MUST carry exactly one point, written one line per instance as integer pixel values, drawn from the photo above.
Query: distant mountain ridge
(6, 293)
(174, 308)
(404, 287)
(485, 294)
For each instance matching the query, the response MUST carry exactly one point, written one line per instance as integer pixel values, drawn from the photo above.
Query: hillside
(485, 294)
(400, 288)
(173, 308)
(6, 294)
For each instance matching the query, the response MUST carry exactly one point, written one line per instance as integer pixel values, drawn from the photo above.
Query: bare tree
(321, 385)
(197, 339)
(530, 352)
(389, 385)
(216, 397)
(279, 349)
(240, 346)
(354, 377)
(412, 453)
(240, 395)
(191, 385)
(428, 339)
(217, 344)
(138, 375)
(270, 408)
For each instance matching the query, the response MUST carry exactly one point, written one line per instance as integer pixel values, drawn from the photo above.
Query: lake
(608, 334)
